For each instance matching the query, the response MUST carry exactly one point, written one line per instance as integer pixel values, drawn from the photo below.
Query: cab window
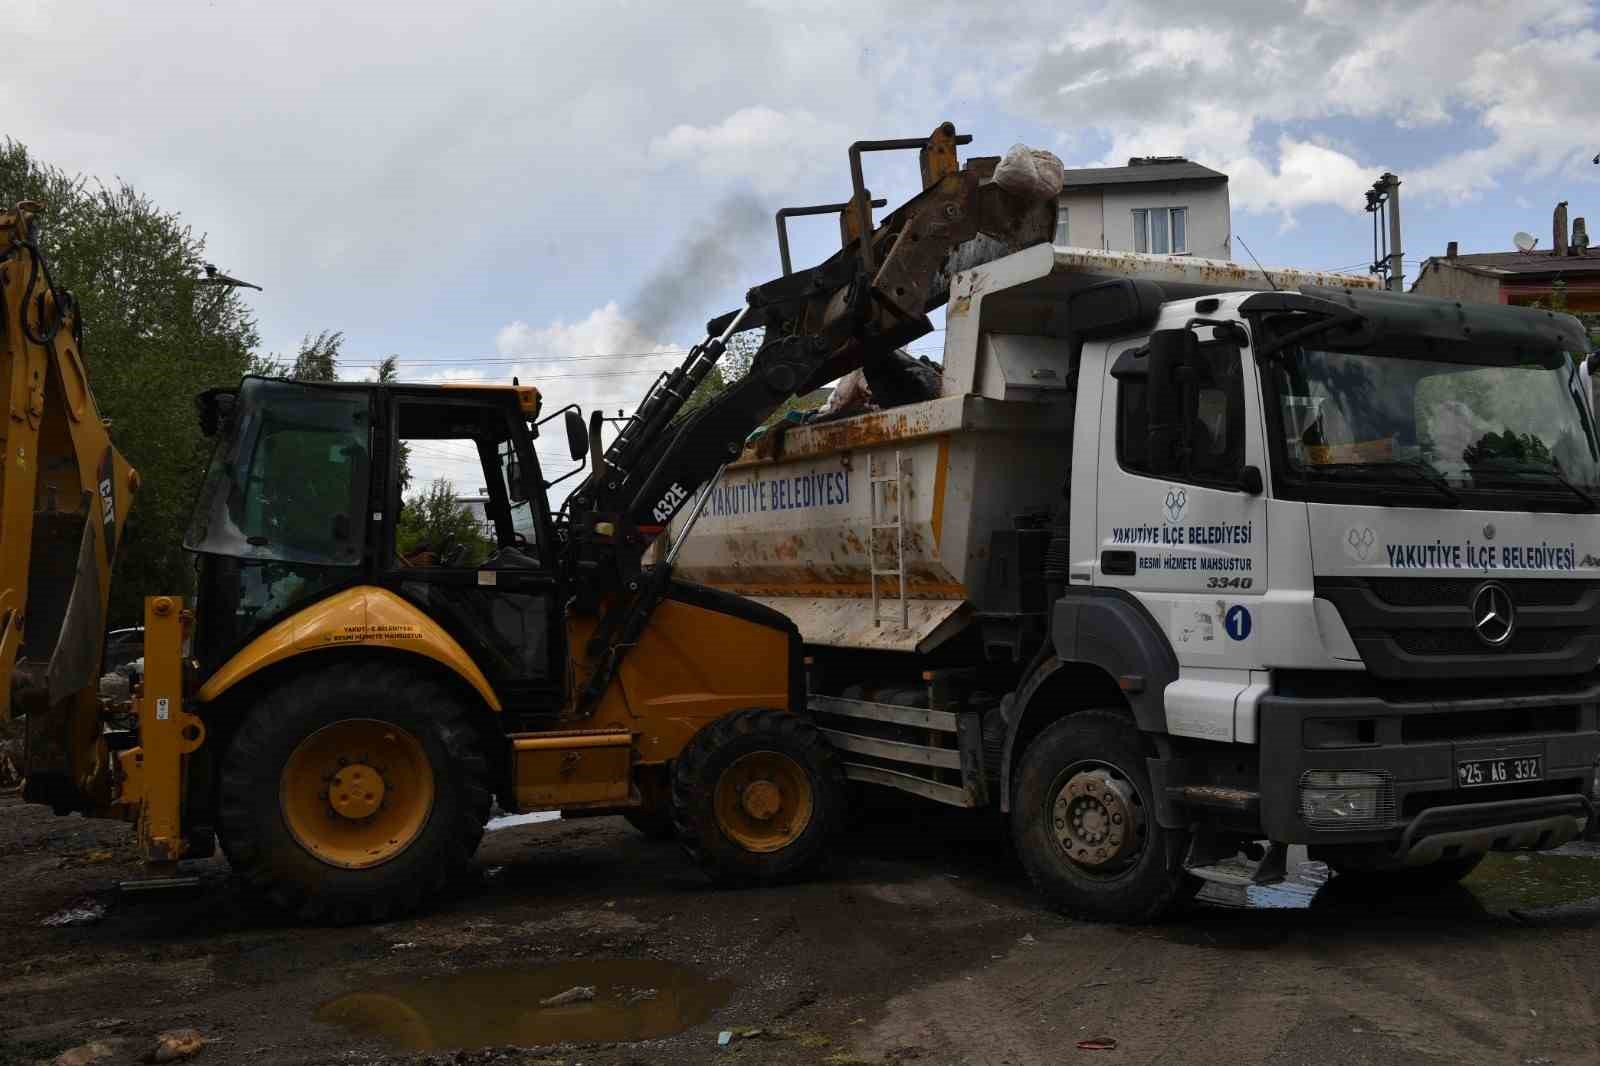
(1216, 433)
(463, 486)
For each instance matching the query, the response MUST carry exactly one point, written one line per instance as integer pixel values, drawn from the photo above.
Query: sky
(567, 192)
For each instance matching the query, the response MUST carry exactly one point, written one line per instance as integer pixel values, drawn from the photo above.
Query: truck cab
(1359, 519)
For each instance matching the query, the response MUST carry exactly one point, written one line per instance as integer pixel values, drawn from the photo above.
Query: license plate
(1479, 773)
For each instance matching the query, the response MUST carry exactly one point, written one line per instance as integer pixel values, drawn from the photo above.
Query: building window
(1162, 230)
(1061, 224)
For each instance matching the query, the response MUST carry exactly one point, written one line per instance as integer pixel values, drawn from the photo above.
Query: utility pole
(1383, 203)
(1397, 263)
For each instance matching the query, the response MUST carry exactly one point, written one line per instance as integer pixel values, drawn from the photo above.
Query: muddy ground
(924, 946)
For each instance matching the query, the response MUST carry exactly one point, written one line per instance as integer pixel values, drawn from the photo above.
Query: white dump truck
(1191, 562)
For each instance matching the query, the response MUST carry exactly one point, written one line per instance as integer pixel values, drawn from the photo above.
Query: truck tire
(757, 797)
(1084, 825)
(353, 793)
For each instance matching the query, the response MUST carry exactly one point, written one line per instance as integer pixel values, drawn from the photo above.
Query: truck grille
(1416, 628)
(1466, 642)
(1430, 592)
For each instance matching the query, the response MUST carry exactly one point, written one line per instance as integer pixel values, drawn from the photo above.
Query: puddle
(526, 1007)
(87, 912)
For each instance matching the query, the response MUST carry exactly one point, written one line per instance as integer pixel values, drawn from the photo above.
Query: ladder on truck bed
(878, 524)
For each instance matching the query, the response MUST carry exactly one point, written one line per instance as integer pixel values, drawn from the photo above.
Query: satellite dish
(1524, 241)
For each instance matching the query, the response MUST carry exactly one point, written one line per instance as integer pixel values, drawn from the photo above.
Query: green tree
(154, 335)
(318, 358)
(432, 519)
(735, 364)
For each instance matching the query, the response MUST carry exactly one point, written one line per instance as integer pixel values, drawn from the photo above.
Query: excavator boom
(64, 494)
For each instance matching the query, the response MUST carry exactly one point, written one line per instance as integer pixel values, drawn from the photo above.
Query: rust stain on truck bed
(861, 431)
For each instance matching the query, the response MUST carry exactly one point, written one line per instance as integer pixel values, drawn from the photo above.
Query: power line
(502, 359)
(498, 358)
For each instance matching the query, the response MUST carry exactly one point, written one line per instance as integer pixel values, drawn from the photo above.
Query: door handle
(1119, 563)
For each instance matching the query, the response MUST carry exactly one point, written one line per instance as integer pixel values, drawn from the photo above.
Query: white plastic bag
(1031, 173)
(850, 395)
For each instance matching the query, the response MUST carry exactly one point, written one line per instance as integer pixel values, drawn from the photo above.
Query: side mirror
(1171, 398)
(597, 455)
(577, 434)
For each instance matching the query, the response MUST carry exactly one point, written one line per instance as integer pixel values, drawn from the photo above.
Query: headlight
(1346, 799)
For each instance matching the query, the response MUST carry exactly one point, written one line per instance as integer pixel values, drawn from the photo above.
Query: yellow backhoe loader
(340, 718)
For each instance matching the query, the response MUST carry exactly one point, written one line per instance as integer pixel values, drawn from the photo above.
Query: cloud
(604, 330)
(1305, 175)
(427, 178)
(758, 145)
(604, 359)
(1537, 99)
(1528, 73)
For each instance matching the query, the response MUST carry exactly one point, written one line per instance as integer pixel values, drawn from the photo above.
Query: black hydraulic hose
(38, 264)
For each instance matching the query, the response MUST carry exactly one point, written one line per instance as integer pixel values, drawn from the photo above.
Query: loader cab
(307, 495)
(491, 583)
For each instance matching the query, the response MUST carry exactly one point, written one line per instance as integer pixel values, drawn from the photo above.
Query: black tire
(1151, 881)
(717, 747)
(653, 823)
(1406, 879)
(653, 818)
(257, 840)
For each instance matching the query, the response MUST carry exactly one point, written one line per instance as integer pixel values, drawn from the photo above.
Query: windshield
(1490, 436)
(289, 482)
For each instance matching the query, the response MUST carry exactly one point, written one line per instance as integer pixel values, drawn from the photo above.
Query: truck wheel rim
(356, 793)
(1096, 816)
(764, 801)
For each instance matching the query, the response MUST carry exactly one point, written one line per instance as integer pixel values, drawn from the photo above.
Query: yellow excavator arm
(64, 495)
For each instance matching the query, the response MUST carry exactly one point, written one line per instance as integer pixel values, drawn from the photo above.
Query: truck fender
(1105, 636)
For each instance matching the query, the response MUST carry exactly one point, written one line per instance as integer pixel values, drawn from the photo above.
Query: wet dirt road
(585, 943)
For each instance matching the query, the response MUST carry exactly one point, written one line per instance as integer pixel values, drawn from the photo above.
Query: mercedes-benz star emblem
(1493, 616)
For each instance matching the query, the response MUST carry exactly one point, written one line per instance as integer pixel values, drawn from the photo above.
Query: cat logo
(108, 501)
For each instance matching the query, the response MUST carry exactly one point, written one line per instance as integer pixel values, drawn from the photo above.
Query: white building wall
(1209, 220)
(1085, 219)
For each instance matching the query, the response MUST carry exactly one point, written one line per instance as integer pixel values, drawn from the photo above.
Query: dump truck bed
(923, 488)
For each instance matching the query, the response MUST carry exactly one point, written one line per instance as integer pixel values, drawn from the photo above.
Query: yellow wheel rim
(763, 801)
(356, 793)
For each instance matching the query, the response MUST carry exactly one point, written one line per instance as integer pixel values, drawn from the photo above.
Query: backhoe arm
(870, 298)
(64, 493)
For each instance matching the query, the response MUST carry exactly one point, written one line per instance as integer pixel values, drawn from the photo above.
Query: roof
(1178, 169)
(1540, 261)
